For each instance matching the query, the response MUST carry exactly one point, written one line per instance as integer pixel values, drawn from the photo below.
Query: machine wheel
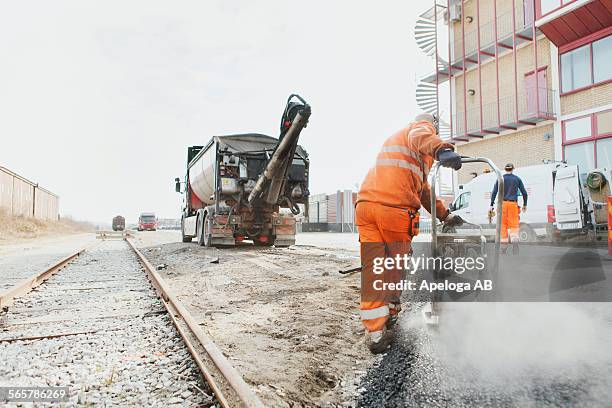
(185, 238)
(526, 234)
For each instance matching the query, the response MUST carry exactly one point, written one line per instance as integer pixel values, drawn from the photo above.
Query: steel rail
(179, 313)
(26, 285)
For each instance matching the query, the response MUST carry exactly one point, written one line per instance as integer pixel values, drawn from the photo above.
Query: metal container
(202, 175)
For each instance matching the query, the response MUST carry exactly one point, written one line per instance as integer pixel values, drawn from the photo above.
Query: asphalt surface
(543, 353)
(426, 368)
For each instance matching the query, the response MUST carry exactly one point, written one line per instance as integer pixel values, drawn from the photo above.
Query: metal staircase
(426, 37)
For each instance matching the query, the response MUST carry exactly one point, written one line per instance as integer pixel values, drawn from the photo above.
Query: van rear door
(567, 200)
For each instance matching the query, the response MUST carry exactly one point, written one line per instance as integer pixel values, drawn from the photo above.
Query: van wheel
(526, 234)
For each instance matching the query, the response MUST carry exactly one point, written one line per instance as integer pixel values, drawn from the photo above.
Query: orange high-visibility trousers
(510, 220)
(384, 232)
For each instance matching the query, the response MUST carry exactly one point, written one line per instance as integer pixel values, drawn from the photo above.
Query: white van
(581, 201)
(473, 200)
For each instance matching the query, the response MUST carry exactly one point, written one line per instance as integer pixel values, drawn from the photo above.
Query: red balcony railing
(467, 49)
(522, 26)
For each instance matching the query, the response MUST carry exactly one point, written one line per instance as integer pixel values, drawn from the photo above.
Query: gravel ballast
(129, 354)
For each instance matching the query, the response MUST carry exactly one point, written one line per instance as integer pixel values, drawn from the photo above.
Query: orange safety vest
(399, 178)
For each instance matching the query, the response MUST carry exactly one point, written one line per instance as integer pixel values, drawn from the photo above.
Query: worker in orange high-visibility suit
(513, 185)
(387, 217)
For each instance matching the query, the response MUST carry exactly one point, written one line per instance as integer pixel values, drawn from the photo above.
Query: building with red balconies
(521, 81)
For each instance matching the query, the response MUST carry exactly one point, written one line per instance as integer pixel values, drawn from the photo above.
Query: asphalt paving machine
(469, 242)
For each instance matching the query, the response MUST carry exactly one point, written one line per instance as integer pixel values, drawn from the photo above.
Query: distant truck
(147, 222)
(118, 223)
(561, 203)
(235, 186)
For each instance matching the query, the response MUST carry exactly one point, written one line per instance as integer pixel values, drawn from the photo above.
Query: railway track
(96, 323)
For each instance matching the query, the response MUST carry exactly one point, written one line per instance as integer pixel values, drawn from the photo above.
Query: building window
(587, 141)
(602, 59)
(604, 153)
(549, 5)
(581, 154)
(576, 69)
(577, 128)
(587, 65)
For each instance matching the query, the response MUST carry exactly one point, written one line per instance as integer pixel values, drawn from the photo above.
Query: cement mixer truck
(247, 187)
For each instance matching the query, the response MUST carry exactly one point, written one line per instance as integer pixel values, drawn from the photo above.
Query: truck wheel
(208, 230)
(526, 234)
(205, 231)
(199, 228)
(185, 238)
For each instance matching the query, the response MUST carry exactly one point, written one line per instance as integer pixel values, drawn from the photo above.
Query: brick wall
(487, 28)
(525, 64)
(526, 146)
(590, 98)
(523, 148)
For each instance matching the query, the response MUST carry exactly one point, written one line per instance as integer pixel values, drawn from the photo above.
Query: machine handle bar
(500, 193)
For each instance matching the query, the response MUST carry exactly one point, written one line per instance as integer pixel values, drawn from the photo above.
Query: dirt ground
(49, 245)
(285, 318)
(17, 229)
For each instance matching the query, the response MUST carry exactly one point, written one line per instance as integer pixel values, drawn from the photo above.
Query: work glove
(453, 220)
(448, 158)
(524, 208)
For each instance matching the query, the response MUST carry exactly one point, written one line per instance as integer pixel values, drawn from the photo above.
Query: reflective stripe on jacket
(399, 177)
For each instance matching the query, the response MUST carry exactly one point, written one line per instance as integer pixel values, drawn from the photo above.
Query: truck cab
(147, 222)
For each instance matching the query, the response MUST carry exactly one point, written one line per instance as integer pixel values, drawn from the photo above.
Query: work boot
(515, 246)
(378, 341)
(503, 248)
(394, 309)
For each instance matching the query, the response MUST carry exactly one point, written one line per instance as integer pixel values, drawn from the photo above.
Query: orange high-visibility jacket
(399, 178)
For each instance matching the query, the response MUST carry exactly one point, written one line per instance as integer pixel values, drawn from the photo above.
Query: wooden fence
(21, 197)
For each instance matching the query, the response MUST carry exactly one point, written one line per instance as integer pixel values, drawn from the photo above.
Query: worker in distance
(387, 216)
(510, 208)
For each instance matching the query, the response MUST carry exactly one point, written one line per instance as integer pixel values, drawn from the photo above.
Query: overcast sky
(100, 99)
